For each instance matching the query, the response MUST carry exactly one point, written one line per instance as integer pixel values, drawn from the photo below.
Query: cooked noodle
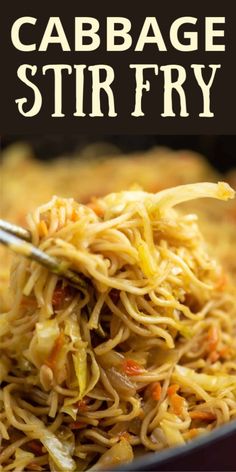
(139, 357)
(82, 177)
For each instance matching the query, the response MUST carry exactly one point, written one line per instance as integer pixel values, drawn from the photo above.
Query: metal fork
(19, 239)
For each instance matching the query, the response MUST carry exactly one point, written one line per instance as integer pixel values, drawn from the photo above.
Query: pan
(213, 452)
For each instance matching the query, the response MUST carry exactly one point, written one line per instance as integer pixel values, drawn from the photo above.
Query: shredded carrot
(36, 447)
(76, 425)
(74, 216)
(42, 228)
(222, 281)
(213, 356)
(125, 435)
(202, 415)
(177, 403)
(192, 433)
(53, 356)
(225, 352)
(173, 389)
(156, 391)
(82, 404)
(213, 338)
(131, 367)
(94, 205)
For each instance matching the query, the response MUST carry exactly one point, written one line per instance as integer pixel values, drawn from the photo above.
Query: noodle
(82, 179)
(140, 358)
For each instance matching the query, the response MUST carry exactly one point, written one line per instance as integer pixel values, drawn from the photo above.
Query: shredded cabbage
(22, 458)
(58, 451)
(46, 333)
(210, 383)
(170, 197)
(80, 365)
(147, 262)
(72, 329)
(70, 410)
(173, 435)
(120, 453)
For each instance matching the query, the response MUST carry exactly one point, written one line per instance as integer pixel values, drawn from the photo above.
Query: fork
(19, 239)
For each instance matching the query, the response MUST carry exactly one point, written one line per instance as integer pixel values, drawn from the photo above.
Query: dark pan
(214, 452)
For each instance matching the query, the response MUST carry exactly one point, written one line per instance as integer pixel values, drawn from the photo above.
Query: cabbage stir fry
(141, 357)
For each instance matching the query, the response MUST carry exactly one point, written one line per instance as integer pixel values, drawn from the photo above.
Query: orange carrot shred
(156, 391)
(202, 415)
(74, 216)
(173, 389)
(52, 358)
(125, 435)
(213, 338)
(42, 228)
(94, 205)
(192, 433)
(225, 352)
(82, 404)
(177, 403)
(213, 357)
(76, 425)
(222, 282)
(131, 367)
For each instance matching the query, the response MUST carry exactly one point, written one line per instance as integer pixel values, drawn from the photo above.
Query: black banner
(132, 67)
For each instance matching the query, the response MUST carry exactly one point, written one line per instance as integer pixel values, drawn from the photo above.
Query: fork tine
(15, 230)
(51, 263)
